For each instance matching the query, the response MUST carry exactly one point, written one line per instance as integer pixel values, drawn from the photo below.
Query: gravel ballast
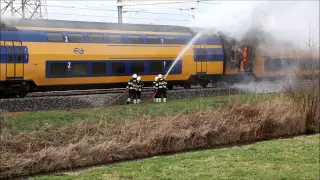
(99, 100)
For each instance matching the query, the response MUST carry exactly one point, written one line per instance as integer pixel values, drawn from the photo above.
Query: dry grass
(88, 144)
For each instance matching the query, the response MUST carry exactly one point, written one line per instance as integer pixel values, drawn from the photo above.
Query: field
(296, 158)
(49, 120)
(57, 140)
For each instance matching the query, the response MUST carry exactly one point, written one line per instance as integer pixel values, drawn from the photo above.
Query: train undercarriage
(14, 88)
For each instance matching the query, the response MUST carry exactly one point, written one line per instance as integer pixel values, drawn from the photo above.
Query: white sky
(285, 19)
(106, 11)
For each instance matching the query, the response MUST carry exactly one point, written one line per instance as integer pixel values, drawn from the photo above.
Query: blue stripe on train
(15, 57)
(208, 54)
(65, 68)
(41, 36)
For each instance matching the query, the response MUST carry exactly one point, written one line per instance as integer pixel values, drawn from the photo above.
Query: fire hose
(154, 95)
(118, 97)
(148, 101)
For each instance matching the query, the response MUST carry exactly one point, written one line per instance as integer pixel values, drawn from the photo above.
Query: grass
(296, 158)
(44, 120)
(186, 125)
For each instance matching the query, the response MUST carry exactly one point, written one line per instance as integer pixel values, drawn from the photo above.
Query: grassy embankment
(47, 141)
(296, 158)
(48, 120)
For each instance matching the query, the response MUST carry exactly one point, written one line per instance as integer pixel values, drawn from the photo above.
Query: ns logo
(78, 51)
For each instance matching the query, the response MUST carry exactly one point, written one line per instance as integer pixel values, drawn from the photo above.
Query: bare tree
(304, 89)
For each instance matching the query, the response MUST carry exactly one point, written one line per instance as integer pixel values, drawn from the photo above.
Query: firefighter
(139, 91)
(164, 90)
(160, 88)
(156, 88)
(163, 87)
(132, 86)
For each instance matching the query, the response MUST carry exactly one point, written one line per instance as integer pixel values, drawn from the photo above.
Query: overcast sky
(285, 19)
(106, 11)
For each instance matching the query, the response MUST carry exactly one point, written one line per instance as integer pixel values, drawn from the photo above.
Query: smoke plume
(284, 21)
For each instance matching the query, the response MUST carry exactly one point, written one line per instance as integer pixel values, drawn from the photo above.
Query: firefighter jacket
(155, 84)
(140, 85)
(132, 84)
(162, 83)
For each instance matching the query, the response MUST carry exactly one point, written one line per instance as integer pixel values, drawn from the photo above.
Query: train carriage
(47, 55)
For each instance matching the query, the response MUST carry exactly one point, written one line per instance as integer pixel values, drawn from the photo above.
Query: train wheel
(187, 86)
(22, 94)
(204, 85)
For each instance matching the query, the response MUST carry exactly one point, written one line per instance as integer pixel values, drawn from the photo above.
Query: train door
(14, 66)
(201, 59)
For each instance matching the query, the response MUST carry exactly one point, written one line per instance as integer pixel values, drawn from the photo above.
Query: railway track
(63, 100)
(120, 90)
(101, 100)
(84, 92)
(89, 92)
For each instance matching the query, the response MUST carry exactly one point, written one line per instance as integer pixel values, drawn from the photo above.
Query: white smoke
(260, 87)
(9, 20)
(286, 21)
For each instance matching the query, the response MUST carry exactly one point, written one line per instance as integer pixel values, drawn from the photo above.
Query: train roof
(95, 25)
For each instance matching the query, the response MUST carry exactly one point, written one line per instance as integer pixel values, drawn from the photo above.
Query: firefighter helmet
(138, 78)
(134, 76)
(160, 76)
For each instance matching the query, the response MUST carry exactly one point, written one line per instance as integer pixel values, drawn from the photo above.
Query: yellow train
(47, 55)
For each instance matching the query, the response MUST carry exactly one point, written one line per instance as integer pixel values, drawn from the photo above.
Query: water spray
(190, 43)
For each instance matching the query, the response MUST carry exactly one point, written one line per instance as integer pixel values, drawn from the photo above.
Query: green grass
(44, 120)
(296, 158)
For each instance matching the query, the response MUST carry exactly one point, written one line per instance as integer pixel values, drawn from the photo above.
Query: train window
(134, 40)
(10, 58)
(56, 37)
(118, 67)
(79, 69)
(137, 67)
(97, 38)
(200, 54)
(278, 64)
(156, 67)
(308, 64)
(212, 54)
(115, 39)
(288, 64)
(316, 64)
(267, 65)
(58, 69)
(169, 40)
(273, 64)
(75, 37)
(203, 54)
(168, 64)
(153, 40)
(98, 68)
(18, 55)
